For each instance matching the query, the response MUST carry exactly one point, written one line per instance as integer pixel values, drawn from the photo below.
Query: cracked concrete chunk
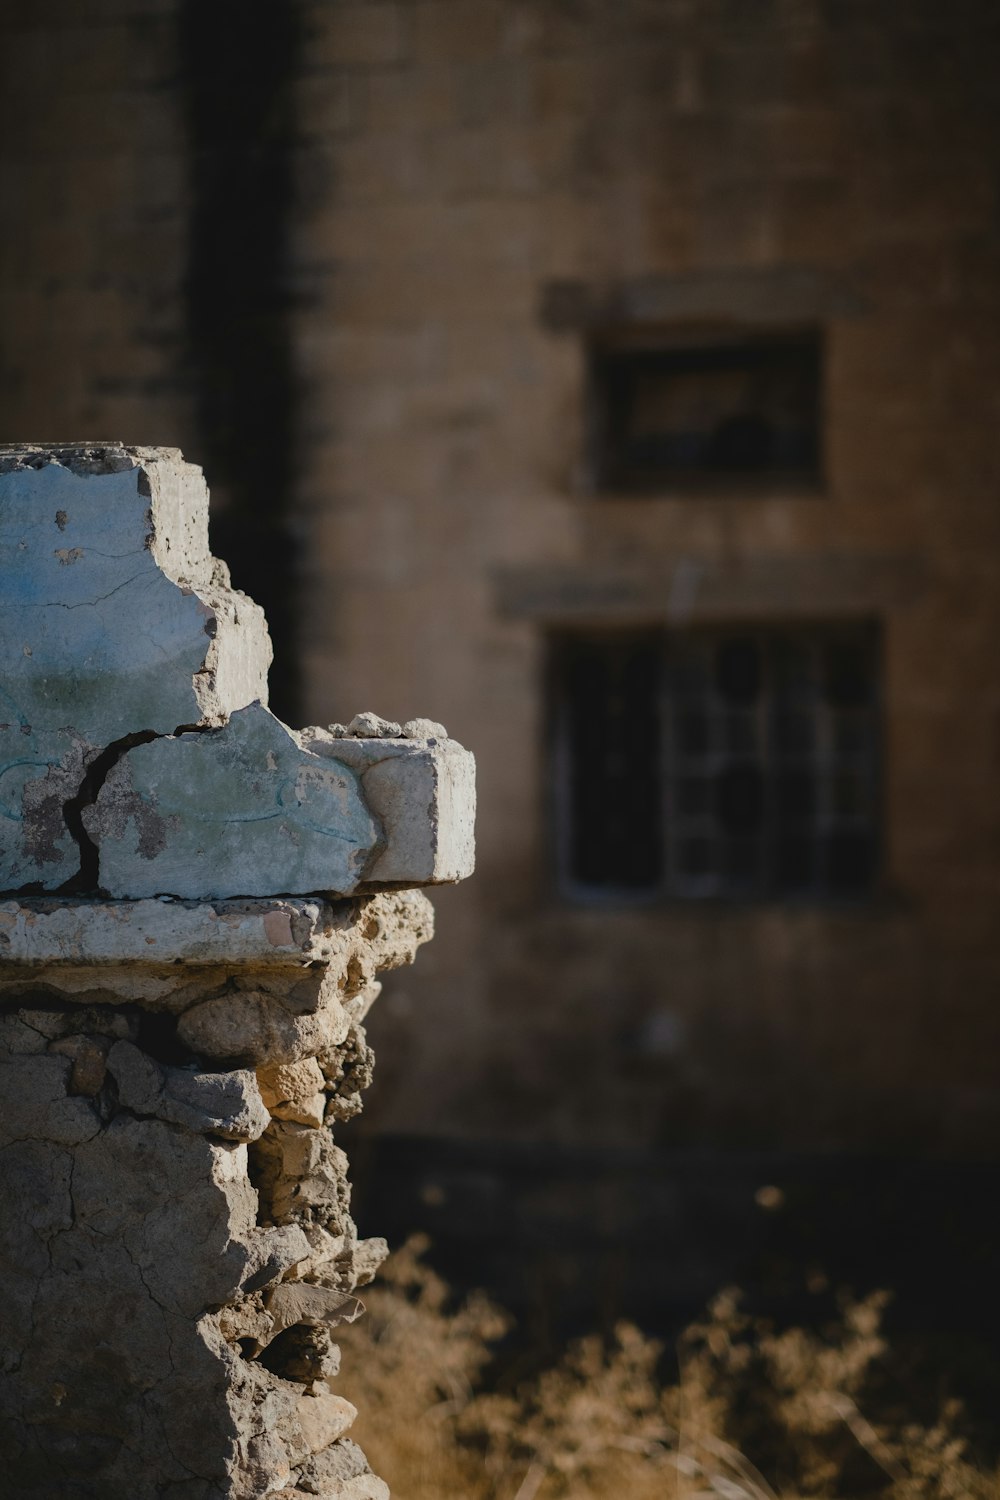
(238, 811)
(131, 672)
(115, 620)
(253, 1027)
(276, 1250)
(424, 794)
(111, 615)
(255, 807)
(141, 1184)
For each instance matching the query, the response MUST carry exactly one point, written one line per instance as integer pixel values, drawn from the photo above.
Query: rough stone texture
(342, 1472)
(197, 1244)
(294, 1091)
(228, 1105)
(301, 976)
(254, 807)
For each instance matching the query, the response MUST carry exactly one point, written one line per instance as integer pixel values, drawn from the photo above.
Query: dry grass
(601, 1426)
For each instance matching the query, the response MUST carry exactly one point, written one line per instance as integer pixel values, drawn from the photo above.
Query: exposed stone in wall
(191, 941)
(298, 975)
(176, 1243)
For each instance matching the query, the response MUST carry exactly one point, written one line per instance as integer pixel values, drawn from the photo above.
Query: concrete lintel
(771, 296)
(701, 589)
(280, 933)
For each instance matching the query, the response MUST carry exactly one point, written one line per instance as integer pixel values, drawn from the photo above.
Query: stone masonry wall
(176, 1242)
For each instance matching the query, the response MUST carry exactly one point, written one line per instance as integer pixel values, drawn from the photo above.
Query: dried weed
(750, 1402)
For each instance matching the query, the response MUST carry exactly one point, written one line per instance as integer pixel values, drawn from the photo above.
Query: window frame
(609, 479)
(666, 891)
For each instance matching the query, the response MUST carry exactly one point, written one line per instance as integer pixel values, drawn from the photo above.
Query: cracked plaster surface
(115, 619)
(137, 753)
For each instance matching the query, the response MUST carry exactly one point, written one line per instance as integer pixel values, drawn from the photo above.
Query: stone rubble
(199, 904)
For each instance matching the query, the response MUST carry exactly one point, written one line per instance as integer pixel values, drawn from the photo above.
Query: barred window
(723, 763)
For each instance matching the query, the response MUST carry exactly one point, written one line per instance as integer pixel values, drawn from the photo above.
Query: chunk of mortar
(244, 810)
(115, 620)
(278, 933)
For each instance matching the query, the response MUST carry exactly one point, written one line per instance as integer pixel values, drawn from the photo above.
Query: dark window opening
(239, 91)
(607, 703)
(717, 409)
(718, 763)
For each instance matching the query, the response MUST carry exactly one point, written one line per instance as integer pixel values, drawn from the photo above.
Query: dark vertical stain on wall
(238, 67)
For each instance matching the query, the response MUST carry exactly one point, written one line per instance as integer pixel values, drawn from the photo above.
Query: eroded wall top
(137, 754)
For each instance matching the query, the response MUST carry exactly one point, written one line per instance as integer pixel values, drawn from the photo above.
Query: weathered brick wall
(475, 152)
(93, 161)
(454, 158)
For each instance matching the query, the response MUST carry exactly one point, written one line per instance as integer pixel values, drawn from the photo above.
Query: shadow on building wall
(610, 381)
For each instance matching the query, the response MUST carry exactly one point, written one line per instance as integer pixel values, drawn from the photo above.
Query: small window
(717, 763)
(716, 410)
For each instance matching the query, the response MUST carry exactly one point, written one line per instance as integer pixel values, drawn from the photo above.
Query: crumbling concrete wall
(200, 902)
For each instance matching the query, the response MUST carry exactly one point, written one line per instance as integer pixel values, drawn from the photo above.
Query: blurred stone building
(617, 381)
